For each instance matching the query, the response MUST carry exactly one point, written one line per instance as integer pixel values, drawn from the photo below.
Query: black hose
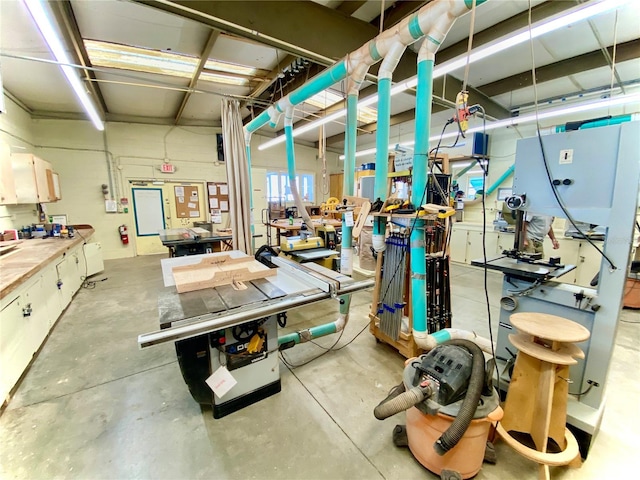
(458, 427)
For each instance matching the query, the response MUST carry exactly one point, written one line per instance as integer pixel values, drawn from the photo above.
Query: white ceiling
(42, 88)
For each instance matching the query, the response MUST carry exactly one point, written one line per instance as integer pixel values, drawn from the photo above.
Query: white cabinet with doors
(29, 311)
(7, 182)
(34, 179)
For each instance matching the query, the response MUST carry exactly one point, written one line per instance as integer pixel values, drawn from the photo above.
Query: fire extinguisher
(124, 234)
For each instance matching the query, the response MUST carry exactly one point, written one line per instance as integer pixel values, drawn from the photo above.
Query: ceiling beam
(66, 20)
(304, 29)
(272, 76)
(350, 7)
(206, 51)
(397, 11)
(539, 12)
(587, 61)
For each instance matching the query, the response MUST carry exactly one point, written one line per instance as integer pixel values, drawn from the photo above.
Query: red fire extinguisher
(124, 234)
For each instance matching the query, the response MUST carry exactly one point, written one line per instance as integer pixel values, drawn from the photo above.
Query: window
(279, 188)
(475, 185)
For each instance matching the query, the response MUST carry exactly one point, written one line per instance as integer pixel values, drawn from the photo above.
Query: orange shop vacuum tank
(450, 406)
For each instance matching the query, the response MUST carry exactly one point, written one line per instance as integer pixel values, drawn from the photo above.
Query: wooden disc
(563, 356)
(550, 327)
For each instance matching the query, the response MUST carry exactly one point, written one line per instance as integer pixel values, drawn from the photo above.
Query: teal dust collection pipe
(291, 158)
(502, 178)
(382, 148)
(420, 168)
(315, 85)
(315, 332)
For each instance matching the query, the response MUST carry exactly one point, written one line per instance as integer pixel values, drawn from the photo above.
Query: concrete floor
(94, 406)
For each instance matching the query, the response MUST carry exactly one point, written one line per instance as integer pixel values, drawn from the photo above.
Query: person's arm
(525, 239)
(552, 236)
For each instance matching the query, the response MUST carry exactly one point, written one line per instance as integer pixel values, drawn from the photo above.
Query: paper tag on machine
(221, 381)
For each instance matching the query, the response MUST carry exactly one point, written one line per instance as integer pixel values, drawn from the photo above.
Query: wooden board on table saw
(220, 270)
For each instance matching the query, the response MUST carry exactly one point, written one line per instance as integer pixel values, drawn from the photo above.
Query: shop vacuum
(450, 404)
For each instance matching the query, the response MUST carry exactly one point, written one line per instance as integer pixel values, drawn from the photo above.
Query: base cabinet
(29, 312)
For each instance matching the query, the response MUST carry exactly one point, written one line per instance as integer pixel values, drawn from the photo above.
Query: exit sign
(168, 168)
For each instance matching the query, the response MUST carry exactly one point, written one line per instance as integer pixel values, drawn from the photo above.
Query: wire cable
(544, 156)
(484, 245)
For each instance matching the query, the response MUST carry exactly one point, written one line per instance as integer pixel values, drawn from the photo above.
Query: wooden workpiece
(33, 255)
(219, 270)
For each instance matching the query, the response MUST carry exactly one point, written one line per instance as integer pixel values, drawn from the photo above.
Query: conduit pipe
(291, 168)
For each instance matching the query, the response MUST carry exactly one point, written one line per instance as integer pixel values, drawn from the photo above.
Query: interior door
(149, 215)
(259, 186)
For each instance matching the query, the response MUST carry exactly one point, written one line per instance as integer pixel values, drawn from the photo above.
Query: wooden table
(283, 225)
(33, 255)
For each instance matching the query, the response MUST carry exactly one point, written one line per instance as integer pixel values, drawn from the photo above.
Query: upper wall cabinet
(35, 181)
(7, 183)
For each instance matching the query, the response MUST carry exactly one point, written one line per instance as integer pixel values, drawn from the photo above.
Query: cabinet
(34, 179)
(29, 312)
(7, 183)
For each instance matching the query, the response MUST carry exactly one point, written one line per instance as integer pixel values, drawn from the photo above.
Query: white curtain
(235, 157)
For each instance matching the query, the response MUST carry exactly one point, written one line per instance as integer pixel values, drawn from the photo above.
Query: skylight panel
(328, 98)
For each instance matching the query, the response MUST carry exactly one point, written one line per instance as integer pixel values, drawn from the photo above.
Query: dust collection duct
(431, 23)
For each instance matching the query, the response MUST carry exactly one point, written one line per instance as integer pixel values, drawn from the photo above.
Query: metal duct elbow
(341, 321)
(377, 242)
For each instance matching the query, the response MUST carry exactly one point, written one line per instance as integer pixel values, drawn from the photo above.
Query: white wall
(15, 130)
(86, 158)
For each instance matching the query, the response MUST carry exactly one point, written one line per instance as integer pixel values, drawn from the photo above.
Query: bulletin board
(218, 196)
(187, 201)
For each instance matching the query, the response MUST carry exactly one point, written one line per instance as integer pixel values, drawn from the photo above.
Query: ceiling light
(229, 67)
(55, 45)
(574, 15)
(542, 115)
(219, 78)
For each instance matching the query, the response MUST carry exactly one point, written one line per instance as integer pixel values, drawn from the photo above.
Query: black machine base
(250, 398)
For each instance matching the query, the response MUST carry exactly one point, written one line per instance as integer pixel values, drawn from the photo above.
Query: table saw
(238, 329)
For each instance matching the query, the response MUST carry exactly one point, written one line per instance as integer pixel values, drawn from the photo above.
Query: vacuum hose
(456, 430)
(400, 400)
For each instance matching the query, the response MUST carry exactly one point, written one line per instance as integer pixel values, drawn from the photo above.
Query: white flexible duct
(428, 342)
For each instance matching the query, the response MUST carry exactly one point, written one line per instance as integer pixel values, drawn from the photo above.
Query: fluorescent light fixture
(574, 15)
(221, 66)
(55, 45)
(562, 19)
(543, 115)
(226, 79)
(328, 97)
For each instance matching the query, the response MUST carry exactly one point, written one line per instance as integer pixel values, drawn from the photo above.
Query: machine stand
(222, 409)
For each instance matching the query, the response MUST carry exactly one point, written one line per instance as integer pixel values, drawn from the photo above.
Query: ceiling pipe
(433, 22)
(291, 169)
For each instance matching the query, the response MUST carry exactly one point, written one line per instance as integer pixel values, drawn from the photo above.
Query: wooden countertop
(33, 255)
(283, 224)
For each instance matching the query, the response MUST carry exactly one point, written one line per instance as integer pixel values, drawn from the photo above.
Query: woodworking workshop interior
(319, 239)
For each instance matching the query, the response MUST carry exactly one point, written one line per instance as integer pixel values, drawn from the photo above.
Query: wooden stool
(536, 402)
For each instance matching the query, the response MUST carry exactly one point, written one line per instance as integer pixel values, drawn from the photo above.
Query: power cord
(544, 156)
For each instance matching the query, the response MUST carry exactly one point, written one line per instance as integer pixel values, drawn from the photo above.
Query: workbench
(283, 225)
(33, 255)
(194, 241)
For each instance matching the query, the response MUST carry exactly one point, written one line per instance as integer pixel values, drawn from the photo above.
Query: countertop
(33, 255)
